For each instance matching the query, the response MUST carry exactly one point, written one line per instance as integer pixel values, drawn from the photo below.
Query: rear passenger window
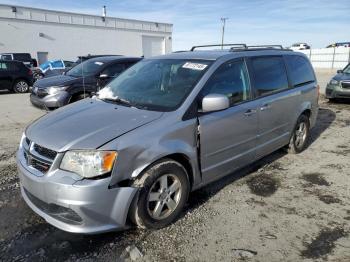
(269, 75)
(231, 79)
(300, 70)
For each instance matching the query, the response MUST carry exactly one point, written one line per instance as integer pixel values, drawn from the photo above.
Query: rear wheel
(300, 136)
(164, 190)
(20, 86)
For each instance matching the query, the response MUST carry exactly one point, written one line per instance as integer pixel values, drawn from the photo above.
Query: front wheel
(300, 136)
(164, 189)
(20, 86)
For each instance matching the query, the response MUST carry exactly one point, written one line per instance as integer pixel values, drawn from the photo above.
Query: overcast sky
(316, 22)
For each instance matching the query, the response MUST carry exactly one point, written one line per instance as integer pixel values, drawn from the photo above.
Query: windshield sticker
(194, 66)
(99, 63)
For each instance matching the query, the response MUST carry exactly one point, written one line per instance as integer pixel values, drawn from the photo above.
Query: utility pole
(223, 20)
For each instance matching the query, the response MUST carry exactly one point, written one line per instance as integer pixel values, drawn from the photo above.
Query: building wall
(67, 35)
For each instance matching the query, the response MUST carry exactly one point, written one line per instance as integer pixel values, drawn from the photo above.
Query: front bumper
(336, 91)
(50, 101)
(78, 206)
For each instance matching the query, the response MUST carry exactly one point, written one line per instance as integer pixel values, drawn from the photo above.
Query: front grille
(38, 157)
(59, 212)
(48, 153)
(38, 165)
(345, 85)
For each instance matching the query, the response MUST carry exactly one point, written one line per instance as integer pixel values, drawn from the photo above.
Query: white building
(48, 34)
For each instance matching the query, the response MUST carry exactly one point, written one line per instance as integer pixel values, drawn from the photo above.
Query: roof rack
(233, 45)
(244, 47)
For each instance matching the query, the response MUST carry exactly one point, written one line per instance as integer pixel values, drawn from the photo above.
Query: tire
(300, 136)
(157, 205)
(20, 86)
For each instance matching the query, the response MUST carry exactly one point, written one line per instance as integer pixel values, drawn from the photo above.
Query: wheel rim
(300, 134)
(164, 196)
(22, 87)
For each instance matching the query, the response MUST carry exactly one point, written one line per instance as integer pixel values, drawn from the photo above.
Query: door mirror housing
(215, 102)
(339, 71)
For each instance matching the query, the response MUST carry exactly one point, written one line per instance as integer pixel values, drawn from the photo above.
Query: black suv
(15, 76)
(79, 82)
(26, 58)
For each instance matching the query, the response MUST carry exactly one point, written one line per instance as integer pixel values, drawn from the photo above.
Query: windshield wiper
(118, 100)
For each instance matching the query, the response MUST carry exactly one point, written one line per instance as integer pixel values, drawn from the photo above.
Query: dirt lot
(283, 208)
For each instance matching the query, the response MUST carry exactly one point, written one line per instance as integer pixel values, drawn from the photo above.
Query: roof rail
(243, 46)
(260, 47)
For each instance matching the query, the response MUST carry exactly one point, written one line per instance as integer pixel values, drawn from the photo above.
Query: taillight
(30, 72)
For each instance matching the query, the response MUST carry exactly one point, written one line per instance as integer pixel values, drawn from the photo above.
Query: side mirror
(339, 71)
(215, 102)
(103, 76)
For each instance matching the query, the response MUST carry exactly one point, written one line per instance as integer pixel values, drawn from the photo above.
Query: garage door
(152, 45)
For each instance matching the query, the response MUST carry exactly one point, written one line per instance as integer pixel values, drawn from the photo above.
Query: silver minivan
(166, 126)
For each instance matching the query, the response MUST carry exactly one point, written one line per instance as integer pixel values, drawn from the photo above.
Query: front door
(228, 137)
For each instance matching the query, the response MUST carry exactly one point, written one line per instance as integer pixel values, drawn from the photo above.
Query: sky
(197, 22)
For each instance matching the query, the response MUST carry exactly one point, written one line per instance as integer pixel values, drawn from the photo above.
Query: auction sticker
(195, 66)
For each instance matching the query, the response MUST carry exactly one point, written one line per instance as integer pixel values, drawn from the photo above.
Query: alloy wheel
(21, 87)
(164, 196)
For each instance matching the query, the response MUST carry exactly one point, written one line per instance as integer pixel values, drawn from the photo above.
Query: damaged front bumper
(79, 206)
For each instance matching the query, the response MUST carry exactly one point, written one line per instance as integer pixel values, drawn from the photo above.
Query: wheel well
(185, 162)
(307, 112)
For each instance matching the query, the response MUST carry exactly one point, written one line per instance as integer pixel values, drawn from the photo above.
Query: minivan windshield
(87, 68)
(156, 84)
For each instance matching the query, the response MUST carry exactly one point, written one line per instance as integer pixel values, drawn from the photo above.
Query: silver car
(166, 126)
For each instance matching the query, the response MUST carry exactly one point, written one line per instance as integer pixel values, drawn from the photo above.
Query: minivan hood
(87, 124)
(59, 80)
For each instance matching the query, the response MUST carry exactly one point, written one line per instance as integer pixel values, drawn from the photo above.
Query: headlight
(334, 82)
(55, 89)
(89, 163)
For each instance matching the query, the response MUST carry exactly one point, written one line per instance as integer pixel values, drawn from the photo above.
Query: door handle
(265, 107)
(250, 112)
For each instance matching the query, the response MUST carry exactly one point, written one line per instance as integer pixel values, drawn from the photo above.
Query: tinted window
(6, 57)
(300, 70)
(3, 66)
(269, 75)
(22, 57)
(89, 67)
(231, 79)
(68, 63)
(114, 70)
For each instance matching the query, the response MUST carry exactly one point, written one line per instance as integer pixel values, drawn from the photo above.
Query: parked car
(300, 46)
(79, 82)
(166, 126)
(339, 86)
(23, 57)
(52, 68)
(342, 44)
(15, 76)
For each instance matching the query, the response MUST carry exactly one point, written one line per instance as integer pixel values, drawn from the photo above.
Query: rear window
(300, 70)
(22, 57)
(6, 57)
(269, 75)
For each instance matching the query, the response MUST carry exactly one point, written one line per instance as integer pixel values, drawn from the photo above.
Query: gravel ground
(282, 208)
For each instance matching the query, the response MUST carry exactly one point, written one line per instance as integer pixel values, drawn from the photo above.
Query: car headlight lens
(334, 82)
(89, 164)
(55, 89)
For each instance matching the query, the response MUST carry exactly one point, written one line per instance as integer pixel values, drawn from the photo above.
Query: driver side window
(230, 79)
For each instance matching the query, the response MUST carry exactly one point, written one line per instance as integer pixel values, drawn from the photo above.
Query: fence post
(333, 57)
